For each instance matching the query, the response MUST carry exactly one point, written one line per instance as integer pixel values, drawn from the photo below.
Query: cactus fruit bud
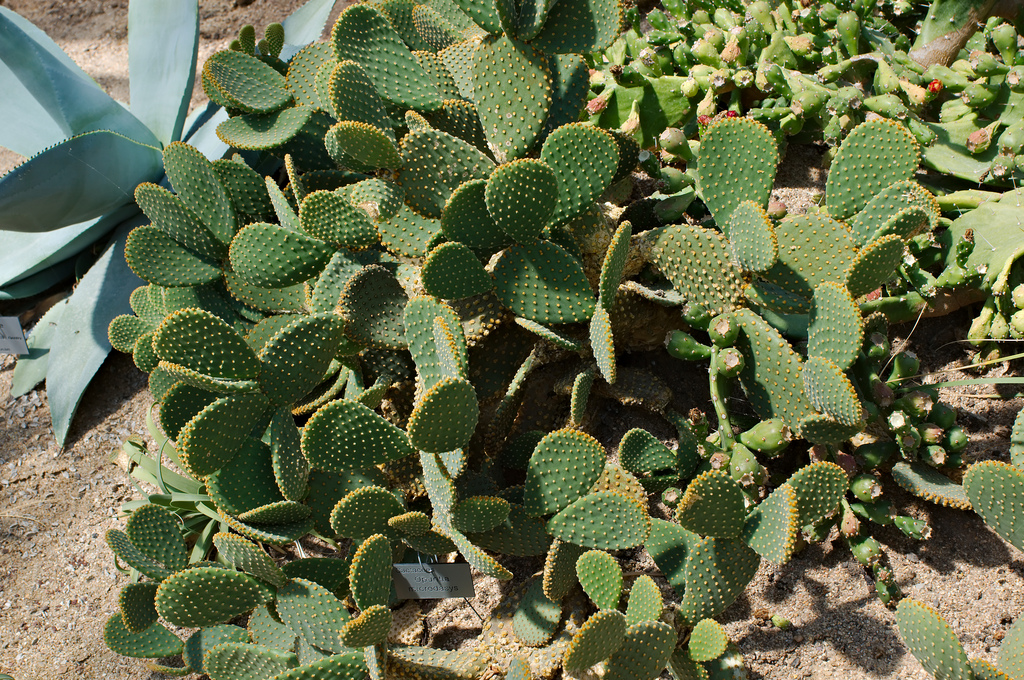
(866, 488)
(904, 365)
(670, 496)
(870, 456)
(682, 345)
(878, 347)
(744, 467)
(934, 455)
(781, 622)
(850, 525)
(1017, 324)
(728, 362)
(917, 404)
(724, 329)
(777, 210)
(943, 415)
(931, 433)
(956, 440)
(769, 437)
(867, 550)
(917, 529)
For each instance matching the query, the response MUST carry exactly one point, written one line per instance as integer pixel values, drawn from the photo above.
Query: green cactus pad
(511, 124)
(835, 328)
(601, 578)
(248, 557)
(249, 84)
(645, 651)
(873, 156)
(238, 660)
(831, 392)
(420, 316)
(996, 492)
(372, 304)
(930, 484)
(246, 482)
(603, 345)
(444, 83)
(256, 132)
(813, 248)
(137, 604)
(606, 520)
(444, 416)
(412, 524)
(354, 98)
(479, 513)
(537, 617)
(313, 612)
(361, 146)
(563, 467)
(579, 26)
(466, 219)
(641, 453)
(874, 265)
(772, 371)
(126, 551)
(1011, 652)
(288, 299)
(364, 35)
(246, 187)
(154, 531)
(125, 330)
(436, 163)
(296, 357)
(211, 439)
(712, 505)
(271, 256)
(204, 640)
(408, 233)
(369, 628)
(153, 643)
(409, 663)
(543, 283)
(157, 258)
(679, 250)
(737, 162)
(560, 569)
(328, 216)
(584, 159)
(708, 640)
(278, 512)
(613, 265)
(519, 535)
(399, 14)
(302, 70)
(459, 59)
(668, 546)
(819, 428)
(328, 572)
(614, 478)
(717, 571)
(459, 118)
(819, 488)
(645, 603)
(364, 512)
(274, 534)
(887, 203)
(345, 435)
(932, 641)
(752, 238)
(434, 28)
(198, 186)
(370, 573)
(597, 639)
(520, 196)
(772, 527)
(170, 215)
(203, 596)
(452, 271)
(570, 85)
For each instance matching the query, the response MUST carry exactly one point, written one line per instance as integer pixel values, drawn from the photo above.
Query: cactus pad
(203, 596)
(579, 26)
(708, 640)
(345, 435)
(238, 660)
(597, 639)
(248, 557)
(563, 467)
(372, 304)
(436, 163)
(752, 238)
(347, 666)
(137, 604)
(212, 438)
(930, 484)
(813, 248)
(874, 265)
(154, 531)
(467, 220)
(605, 520)
(819, 487)
(996, 492)
(511, 124)
(408, 233)
(584, 159)
(271, 256)
(370, 573)
(537, 617)
(712, 505)
(717, 571)
(737, 162)
(601, 577)
(249, 84)
(874, 155)
(560, 569)
(835, 329)
(452, 271)
(153, 643)
(679, 250)
(444, 416)
(773, 526)
(313, 612)
(543, 283)
(369, 628)
(479, 513)
(364, 512)
(831, 392)
(645, 651)
(520, 196)
(645, 603)
(932, 641)
(296, 358)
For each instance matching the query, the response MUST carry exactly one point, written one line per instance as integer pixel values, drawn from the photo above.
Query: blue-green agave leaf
(163, 42)
(31, 368)
(306, 23)
(40, 281)
(23, 254)
(80, 343)
(201, 131)
(76, 180)
(46, 98)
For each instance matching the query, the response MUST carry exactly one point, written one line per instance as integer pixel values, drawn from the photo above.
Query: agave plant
(87, 153)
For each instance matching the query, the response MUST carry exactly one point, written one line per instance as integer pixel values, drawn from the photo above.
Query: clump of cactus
(350, 350)
(817, 72)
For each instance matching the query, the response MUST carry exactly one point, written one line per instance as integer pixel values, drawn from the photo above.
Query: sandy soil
(58, 583)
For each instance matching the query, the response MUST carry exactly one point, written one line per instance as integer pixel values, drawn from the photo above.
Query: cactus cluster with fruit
(350, 349)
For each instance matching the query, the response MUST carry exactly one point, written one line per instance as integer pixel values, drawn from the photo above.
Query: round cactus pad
(996, 492)
(645, 603)
(537, 617)
(873, 156)
(680, 250)
(345, 435)
(928, 483)
(584, 159)
(251, 85)
(543, 283)
(597, 639)
(772, 528)
(153, 643)
(605, 520)
(364, 512)
(444, 417)
(372, 304)
(313, 612)
(717, 571)
(819, 488)
(520, 196)
(644, 652)
(452, 271)
(203, 596)
(563, 467)
(601, 578)
(272, 256)
(227, 658)
(466, 219)
(436, 164)
(712, 505)
(932, 641)
(737, 162)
